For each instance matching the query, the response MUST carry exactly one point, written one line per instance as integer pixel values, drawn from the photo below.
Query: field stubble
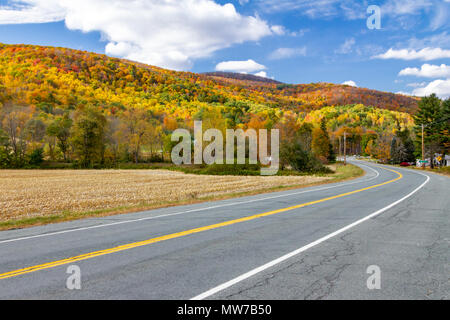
(31, 193)
(31, 197)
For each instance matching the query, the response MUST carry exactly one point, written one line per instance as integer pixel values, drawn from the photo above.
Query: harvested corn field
(27, 194)
(34, 197)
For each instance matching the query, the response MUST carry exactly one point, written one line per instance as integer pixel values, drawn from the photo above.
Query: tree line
(89, 137)
(86, 137)
(433, 117)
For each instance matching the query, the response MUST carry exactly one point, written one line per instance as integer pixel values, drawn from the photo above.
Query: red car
(405, 164)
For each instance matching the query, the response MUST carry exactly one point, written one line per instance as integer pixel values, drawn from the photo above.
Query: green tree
(304, 136)
(365, 140)
(331, 152)
(295, 151)
(60, 129)
(36, 157)
(394, 151)
(299, 159)
(445, 130)
(88, 134)
(430, 115)
(5, 150)
(406, 149)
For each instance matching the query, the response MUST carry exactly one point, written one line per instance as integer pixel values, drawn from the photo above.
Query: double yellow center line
(133, 245)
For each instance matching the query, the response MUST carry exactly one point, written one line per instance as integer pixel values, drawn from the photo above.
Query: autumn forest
(83, 110)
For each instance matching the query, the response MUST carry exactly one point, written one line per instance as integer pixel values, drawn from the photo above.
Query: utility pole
(423, 147)
(423, 141)
(345, 148)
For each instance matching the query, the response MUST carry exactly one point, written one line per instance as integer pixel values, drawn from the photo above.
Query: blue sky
(294, 41)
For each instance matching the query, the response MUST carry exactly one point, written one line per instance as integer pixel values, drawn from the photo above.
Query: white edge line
(188, 211)
(260, 269)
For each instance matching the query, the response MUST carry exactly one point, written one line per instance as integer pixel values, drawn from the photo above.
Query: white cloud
(425, 54)
(31, 11)
(278, 30)
(439, 40)
(351, 9)
(299, 33)
(403, 93)
(166, 33)
(240, 66)
(263, 74)
(427, 71)
(416, 84)
(440, 87)
(281, 31)
(285, 53)
(346, 47)
(441, 17)
(402, 7)
(350, 83)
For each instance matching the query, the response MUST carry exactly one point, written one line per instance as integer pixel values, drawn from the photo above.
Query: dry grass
(26, 194)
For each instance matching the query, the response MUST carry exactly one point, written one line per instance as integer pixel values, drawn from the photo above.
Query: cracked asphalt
(409, 242)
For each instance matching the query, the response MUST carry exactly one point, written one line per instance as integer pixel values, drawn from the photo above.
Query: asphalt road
(313, 243)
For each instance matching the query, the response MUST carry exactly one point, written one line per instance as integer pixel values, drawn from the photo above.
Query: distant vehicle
(405, 164)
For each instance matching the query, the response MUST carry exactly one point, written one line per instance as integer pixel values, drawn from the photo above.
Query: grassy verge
(341, 173)
(442, 171)
(216, 170)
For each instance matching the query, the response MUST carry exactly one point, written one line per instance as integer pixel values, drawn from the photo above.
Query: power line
(436, 122)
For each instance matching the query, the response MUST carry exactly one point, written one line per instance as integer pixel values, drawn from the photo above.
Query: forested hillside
(48, 77)
(316, 95)
(71, 106)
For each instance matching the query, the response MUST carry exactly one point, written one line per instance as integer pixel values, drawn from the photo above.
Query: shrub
(301, 160)
(36, 157)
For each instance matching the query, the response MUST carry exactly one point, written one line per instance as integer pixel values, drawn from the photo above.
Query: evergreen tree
(430, 116)
(445, 130)
(394, 151)
(407, 146)
(331, 152)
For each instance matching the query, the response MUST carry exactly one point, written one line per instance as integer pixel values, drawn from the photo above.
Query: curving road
(313, 243)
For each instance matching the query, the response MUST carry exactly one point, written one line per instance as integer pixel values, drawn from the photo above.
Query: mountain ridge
(40, 75)
(241, 76)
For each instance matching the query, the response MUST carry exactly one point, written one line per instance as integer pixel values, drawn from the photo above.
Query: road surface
(313, 243)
